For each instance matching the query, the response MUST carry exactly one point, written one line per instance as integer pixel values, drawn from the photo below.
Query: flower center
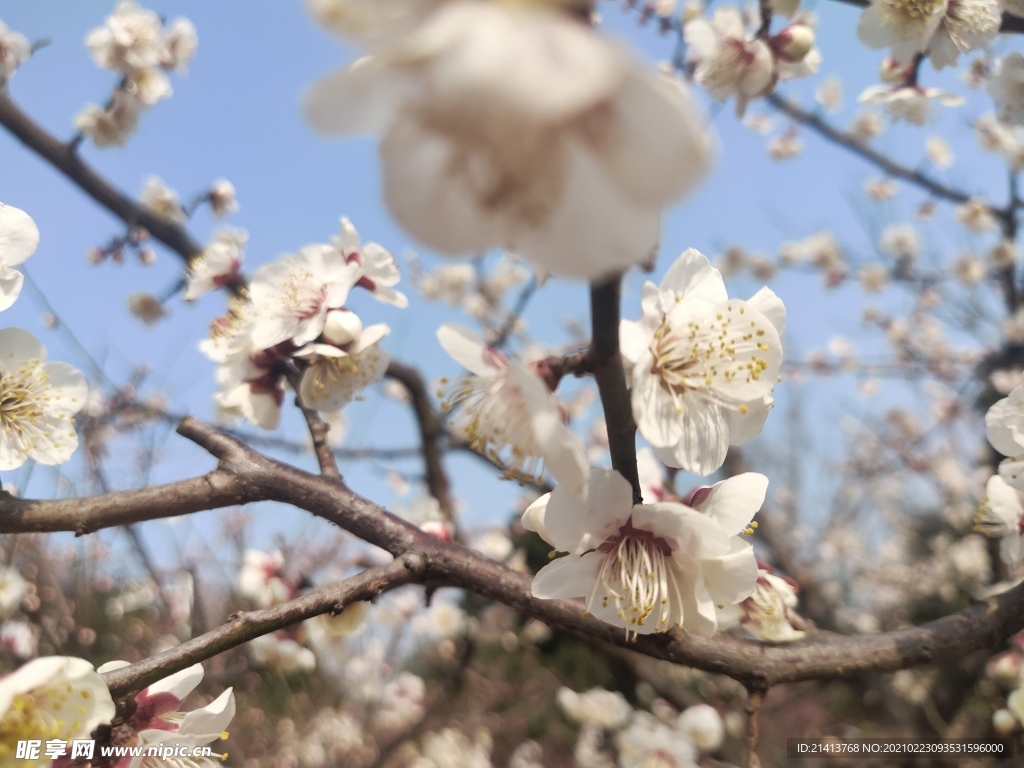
(907, 13)
(639, 577)
(40, 715)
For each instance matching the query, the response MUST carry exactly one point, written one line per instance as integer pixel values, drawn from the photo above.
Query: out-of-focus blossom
(19, 238)
(1006, 87)
(162, 201)
(14, 51)
(218, 265)
(222, 198)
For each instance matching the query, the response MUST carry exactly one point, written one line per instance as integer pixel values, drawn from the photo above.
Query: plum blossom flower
(38, 401)
(180, 43)
(113, 125)
(54, 697)
(726, 61)
(903, 26)
(968, 25)
(162, 201)
(222, 198)
(369, 20)
(19, 238)
(350, 361)
(380, 271)
(609, 709)
(649, 567)
(282, 652)
(513, 125)
(260, 578)
(130, 39)
(909, 103)
(291, 297)
(703, 726)
(1001, 516)
(1006, 87)
(1004, 427)
(19, 639)
(702, 366)
(648, 741)
(158, 719)
(769, 614)
(13, 589)
(976, 215)
(506, 411)
(218, 265)
(14, 51)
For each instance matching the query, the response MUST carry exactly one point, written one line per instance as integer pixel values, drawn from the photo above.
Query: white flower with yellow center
(507, 413)
(650, 567)
(349, 360)
(291, 297)
(703, 366)
(38, 401)
(1004, 427)
(903, 26)
(513, 125)
(769, 614)
(19, 238)
(157, 719)
(968, 25)
(55, 697)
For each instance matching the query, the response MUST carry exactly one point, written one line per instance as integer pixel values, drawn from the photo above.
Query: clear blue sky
(236, 115)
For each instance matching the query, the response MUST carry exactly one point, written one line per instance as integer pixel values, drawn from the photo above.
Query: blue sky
(236, 115)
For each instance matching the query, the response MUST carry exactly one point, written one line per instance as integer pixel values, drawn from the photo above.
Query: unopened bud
(793, 43)
(147, 256)
(342, 327)
(94, 256)
(437, 529)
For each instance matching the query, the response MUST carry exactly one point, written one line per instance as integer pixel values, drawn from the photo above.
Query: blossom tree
(691, 601)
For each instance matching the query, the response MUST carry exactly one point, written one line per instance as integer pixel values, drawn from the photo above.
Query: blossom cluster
(137, 45)
(292, 323)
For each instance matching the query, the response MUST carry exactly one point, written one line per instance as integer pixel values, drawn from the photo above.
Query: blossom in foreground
(369, 20)
(703, 366)
(14, 51)
(649, 567)
(513, 125)
(909, 103)
(38, 401)
(902, 26)
(506, 412)
(291, 297)
(967, 25)
(350, 361)
(54, 697)
(379, 270)
(1004, 427)
(726, 62)
(1006, 87)
(19, 238)
(158, 718)
(1001, 515)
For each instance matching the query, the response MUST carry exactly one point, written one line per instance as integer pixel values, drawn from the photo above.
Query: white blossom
(13, 589)
(218, 265)
(727, 61)
(14, 51)
(162, 201)
(19, 238)
(180, 43)
(702, 366)
(1004, 424)
(260, 580)
(38, 401)
(19, 639)
(1006, 87)
(113, 125)
(222, 198)
(911, 104)
(976, 216)
(968, 25)
(903, 26)
(158, 718)
(340, 370)
(830, 94)
(648, 741)
(900, 241)
(703, 726)
(649, 567)
(130, 39)
(769, 614)
(506, 412)
(609, 709)
(514, 126)
(54, 697)
(1000, 516)
(379, 270)
(938, 151)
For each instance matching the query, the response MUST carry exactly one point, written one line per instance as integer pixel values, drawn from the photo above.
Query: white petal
(11, 281)
(768, 304)
(692, 276)
(746, 426)
(732, 577)
(567, 577)
(19, 235)
(575, 526)
(733, 503)
(693, 533)
(467, 349)
(361, 99)
(704, 438)
(180, 684)
(211, 720)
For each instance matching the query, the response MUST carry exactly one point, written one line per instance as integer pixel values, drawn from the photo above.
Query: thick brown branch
(217, 489)
(249, 625)
(432, 433)
(605, 360)
(63, 157)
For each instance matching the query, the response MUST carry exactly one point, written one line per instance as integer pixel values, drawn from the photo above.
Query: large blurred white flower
(38, 401)
(55, 697)
(649, 567)
(703, 366)
(506, 412)
(515, 126)
(158, 719)
(19, 238)
(369, 20)
(1000, 516)
(727, 62)
(291, 297)
(1004, 426)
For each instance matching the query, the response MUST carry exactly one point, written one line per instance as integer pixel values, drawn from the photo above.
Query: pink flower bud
(793, 43)
(437, 529)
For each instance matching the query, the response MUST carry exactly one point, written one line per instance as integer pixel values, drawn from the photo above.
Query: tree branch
(605, 361)
(249, 625)
(63, 157)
